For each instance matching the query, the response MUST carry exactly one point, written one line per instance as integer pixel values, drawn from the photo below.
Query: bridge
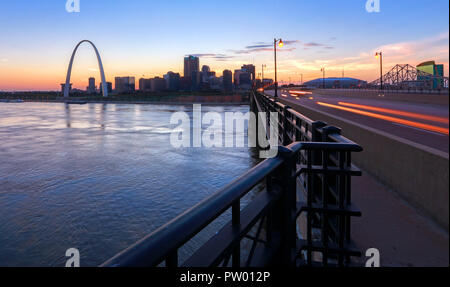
(407, 77)
(306, 187)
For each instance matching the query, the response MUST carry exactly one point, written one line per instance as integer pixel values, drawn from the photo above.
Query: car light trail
(398, 112)
(389, 118)
(300, 93)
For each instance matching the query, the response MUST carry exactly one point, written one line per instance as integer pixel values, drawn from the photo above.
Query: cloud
(414, 52)
(316, 45)
(4, 60)
(265, 47)
(313, 44)
(220, 57)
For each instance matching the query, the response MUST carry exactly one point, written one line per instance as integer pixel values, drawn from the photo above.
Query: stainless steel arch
(100, 65)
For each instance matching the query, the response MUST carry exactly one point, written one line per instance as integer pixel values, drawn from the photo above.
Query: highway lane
(420, 123)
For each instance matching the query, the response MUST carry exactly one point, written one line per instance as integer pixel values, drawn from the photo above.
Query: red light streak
(397, 112)
(391, 119)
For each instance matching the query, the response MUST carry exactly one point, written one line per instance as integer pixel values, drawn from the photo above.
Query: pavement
(427, 124)
(404, 237)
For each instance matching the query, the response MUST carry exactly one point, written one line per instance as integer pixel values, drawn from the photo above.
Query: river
(99, 177)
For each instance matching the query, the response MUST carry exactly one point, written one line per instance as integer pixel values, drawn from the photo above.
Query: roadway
(425, 124)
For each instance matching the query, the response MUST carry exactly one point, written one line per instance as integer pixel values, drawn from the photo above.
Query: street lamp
(323, 77)
(380, 55)
(280, 44)
(262, 72)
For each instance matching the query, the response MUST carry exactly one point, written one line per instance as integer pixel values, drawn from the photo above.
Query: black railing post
(286, 207)
(286, 139)
(236, 221)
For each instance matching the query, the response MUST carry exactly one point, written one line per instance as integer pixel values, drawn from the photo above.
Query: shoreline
(140, 103)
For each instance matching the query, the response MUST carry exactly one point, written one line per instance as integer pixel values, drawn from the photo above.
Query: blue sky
(145, 37)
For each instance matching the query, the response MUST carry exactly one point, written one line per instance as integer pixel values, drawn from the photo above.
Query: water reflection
(98, 177)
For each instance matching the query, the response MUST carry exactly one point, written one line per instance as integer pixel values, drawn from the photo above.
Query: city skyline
(222, 37)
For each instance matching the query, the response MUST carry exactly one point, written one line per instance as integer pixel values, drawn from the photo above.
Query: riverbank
(147, 103)
(163, 99)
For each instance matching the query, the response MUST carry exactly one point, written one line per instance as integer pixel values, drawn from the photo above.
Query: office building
(191, 64)
(431, 68)
(172, 81)
(158, 84)
(242, 79)
(250, 69)
(124, 85)
(227, 81)
(145, 85)
(185, 83)
(205, 71)
(196, 80)
(91, 88)
(63, 86)
(108, 87)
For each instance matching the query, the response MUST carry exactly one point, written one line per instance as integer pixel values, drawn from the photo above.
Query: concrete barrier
(419, 174)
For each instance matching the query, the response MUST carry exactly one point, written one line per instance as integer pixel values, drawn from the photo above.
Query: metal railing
(269, 220)
(324, 177)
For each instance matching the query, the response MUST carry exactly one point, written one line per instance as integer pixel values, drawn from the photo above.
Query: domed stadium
(335, 83)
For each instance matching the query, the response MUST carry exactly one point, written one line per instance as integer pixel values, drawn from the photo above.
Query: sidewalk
(402, 235)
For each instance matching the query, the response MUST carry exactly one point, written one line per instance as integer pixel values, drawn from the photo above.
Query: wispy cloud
(259, 47)
(219, 57)
(4, 60)
(313, 44)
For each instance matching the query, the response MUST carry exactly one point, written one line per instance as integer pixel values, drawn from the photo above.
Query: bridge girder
(402, 75)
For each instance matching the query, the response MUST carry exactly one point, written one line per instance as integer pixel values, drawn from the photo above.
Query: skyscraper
(250, 69)
(205, 72)
(191, 64)
(91, 89)
(227, 80)
(196, 80)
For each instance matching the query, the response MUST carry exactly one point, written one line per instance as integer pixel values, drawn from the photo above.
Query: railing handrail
(152, 249)
(155, 247)
(292, 111)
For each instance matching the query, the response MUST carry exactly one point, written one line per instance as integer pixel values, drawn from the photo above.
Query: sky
(147, 38)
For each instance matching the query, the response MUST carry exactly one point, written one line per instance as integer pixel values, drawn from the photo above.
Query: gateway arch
(100, 65)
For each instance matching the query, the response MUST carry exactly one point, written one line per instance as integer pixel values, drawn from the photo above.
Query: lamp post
(380, 55)
(281, 44)
(323, 77)
(262, 73)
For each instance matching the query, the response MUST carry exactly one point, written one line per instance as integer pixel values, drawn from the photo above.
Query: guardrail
(326, 182)
(269, 220)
